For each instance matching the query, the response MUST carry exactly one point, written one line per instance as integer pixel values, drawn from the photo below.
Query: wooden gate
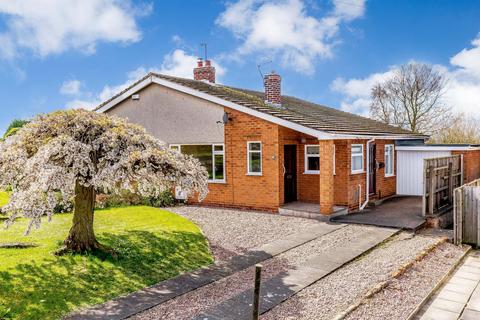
(440, 178)
(466, 214)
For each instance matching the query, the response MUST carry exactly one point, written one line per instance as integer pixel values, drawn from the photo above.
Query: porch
(397, 212)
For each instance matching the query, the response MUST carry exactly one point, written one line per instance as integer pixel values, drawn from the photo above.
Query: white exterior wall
(410, 170)
(174, 117)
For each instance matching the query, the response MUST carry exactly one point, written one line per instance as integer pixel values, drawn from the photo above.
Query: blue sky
(57, 54)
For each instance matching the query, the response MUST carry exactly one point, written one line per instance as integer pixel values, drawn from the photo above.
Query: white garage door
(410, 170)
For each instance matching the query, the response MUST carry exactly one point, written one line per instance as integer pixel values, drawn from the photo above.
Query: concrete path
(459, 298)
(278, 289)
(144, 299)
(397, 212)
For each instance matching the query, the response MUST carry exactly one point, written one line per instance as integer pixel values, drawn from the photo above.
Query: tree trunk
(81, 237)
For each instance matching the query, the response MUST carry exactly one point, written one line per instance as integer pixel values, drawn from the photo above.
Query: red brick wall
(327, 182)
(241, 190)
(347, 184)
(471, 164)
(342, 172)
(266, 192)
(386, 186)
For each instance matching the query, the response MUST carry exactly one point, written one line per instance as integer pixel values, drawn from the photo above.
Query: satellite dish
(225, 118)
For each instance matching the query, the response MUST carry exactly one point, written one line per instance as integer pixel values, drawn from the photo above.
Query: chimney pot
(199, 62)
(273, 93)
(208, 63)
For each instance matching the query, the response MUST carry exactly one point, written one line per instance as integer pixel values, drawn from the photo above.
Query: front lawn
(153, 245)
(3, 198)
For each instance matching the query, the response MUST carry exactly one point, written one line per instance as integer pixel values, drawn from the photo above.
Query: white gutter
(367, 188)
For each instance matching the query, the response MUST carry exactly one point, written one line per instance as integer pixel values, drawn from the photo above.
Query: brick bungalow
(261, 149)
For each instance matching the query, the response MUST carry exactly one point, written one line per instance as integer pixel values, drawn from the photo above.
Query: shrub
(165, 199)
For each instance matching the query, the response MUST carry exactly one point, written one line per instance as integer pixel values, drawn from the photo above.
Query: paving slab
(448, 305)
(439, 314)
(281, 287)
(459, 298)
(469, 314)
(126, 306)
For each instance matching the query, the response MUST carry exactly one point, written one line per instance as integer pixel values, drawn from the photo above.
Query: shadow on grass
(58, 285)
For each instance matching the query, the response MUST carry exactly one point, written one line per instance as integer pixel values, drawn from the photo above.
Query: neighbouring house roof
(293, 110)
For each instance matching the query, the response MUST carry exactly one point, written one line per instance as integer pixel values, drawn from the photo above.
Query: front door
(290, 172)
(372, 168)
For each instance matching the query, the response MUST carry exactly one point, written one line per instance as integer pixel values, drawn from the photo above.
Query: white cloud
(181, 64)
(177, 63)
(53, 26)
(284, 28)
(350, 9)
(462, 90)
(469, 59)
(71, 87)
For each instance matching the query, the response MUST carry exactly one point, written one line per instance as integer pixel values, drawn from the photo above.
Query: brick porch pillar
(326, 176)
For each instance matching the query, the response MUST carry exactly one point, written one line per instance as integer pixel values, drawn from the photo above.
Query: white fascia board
(375, 137)
(435, 148)
(127, 94)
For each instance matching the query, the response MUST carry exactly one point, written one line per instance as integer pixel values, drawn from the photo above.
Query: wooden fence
(466, 211)
(440, 178)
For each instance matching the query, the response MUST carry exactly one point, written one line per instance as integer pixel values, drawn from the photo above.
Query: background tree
(13, 127)
(412, 99)
(463, 130)
(75, 153)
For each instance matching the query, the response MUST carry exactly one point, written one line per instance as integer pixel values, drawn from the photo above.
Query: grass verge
(153, 245)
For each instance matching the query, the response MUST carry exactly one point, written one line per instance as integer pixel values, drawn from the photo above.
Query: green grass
(153, 245)
(3, 198)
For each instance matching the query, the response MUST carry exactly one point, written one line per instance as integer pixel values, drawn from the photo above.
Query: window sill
(311, 172)
(254, 174)
(389, 176)
(357, 172)
(217, 181)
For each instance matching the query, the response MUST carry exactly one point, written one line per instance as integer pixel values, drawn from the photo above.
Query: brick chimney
(273, 94)
(204, 72)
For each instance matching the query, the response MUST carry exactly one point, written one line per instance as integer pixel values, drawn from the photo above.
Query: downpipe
(367, 182)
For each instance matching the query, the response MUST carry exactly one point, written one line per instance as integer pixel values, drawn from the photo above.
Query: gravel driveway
(232, 232)
(334, 293)
(401, 297)
(192, 303)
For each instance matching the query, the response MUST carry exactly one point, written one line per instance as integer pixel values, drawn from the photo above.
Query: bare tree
(463, 130)
(412, 99)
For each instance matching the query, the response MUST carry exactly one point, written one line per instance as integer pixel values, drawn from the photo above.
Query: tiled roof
(295, 110)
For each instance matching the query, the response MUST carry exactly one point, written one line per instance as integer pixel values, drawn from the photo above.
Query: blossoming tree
(73, 154)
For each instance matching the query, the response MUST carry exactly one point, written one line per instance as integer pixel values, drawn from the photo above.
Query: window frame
(214, 153)
(392, 159)
(306, 155)
(352, 155)
(249, 172)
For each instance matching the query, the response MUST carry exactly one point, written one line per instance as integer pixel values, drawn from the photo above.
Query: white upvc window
(175, 147)
(254, 158)
(312, 159)
(357, 158)
(389, 160)
(211, 156)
